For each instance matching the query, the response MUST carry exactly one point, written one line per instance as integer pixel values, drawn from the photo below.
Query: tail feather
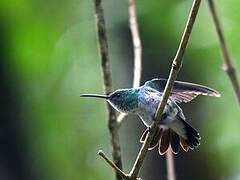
(184, 145)
(164, 142)
(155, 140)
(143, 137)
(175, 142)
(181, 134)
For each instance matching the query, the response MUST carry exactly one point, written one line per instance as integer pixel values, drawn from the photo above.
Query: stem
(119, 171)
(227, 64)
(136, 43)
(105, 63)
(137, 47)
(170, 165)
(176, 65)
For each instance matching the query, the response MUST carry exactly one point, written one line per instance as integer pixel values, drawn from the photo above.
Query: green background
(49, 56)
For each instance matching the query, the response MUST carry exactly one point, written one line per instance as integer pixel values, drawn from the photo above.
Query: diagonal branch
(176, 65)
(105, 63)
(137, 70)
(227, 65)
(109, 161)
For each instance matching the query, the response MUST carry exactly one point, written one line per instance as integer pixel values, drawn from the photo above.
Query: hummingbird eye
(118, 95)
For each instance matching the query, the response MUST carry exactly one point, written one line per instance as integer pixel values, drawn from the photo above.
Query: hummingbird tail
(169, 139)
(179, 135)
(164, 138)
(189, 137)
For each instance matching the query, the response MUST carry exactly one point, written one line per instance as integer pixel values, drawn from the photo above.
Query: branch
(137, 70)
(227, 65)
(119, 171)
(170, 165)
(103, 45)
(136, 43)
(176, 65)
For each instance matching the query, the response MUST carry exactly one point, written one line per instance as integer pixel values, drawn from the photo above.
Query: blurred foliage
(52, 56)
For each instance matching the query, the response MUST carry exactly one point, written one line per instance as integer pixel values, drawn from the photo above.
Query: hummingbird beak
(95, 96)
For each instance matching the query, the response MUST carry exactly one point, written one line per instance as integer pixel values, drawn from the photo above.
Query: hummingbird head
(123, 100)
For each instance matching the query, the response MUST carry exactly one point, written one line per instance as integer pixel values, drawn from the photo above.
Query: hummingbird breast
(148, 101)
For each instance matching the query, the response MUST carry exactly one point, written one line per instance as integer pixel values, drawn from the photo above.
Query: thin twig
(137, 70)
(105, 63)
(170, 165)
(109, 161)
(176, 65)
(136, 43)
(227, 65)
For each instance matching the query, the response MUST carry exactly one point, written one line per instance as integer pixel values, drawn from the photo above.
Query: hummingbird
(173, 131)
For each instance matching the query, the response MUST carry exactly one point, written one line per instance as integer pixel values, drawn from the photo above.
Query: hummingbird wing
(182, 91)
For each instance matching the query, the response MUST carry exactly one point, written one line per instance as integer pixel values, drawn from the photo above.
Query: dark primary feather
(184, 144)
(175, 142)
(164, 142)
(182, 91)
